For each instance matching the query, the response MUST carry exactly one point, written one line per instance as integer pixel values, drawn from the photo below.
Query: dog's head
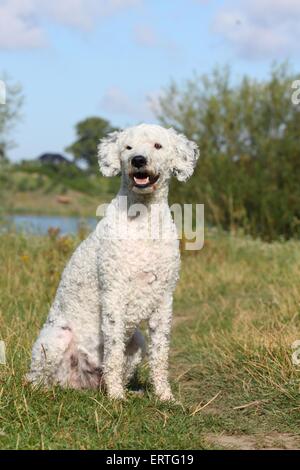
(147, 155)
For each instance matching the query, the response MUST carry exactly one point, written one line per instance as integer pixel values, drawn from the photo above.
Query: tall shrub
(248, 132)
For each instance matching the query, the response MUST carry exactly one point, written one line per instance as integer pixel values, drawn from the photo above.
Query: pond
(40, 224)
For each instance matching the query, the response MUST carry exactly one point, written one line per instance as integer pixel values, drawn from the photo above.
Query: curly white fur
(112, 283)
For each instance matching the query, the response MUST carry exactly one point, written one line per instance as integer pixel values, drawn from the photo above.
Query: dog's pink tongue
(141, 180)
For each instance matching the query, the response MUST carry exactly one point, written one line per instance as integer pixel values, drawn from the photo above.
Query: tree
(89, 132)
(9, 115)
(249, 137)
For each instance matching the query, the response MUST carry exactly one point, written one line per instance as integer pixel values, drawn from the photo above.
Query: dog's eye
(128, 147)
(157, 146)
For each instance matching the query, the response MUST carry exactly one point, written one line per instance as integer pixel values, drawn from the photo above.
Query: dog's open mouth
(144, 179)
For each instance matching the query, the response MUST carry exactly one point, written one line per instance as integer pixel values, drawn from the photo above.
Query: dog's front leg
(159, 329)
(114, 347)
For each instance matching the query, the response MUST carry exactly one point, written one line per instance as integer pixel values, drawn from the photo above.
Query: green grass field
(236, 315)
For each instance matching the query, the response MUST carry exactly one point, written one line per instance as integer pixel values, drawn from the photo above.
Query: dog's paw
(136, 393)
(166, 395)
(117, 395)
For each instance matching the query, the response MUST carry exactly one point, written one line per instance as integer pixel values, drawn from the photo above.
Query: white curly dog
(117, 278)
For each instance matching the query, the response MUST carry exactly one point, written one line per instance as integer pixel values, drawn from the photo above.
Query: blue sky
(77, 58)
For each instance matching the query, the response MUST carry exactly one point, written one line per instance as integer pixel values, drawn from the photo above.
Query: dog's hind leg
(135, 351)
(48, 353)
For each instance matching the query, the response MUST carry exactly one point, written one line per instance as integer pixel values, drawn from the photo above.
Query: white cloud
(116, 101)
(83, 13)
(260, 29)
(146, 36)
(21, 20)
(18, 27)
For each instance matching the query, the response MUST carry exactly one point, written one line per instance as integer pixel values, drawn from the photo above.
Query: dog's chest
(151, 261)
(152, 272)
(140, 264)
(142, 271)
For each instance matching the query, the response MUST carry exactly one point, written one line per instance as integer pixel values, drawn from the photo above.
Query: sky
(110, 58)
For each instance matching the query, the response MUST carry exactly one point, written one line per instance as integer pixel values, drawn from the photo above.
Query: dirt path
(272, 441)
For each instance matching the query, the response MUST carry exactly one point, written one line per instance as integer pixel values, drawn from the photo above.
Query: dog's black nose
(138, 161)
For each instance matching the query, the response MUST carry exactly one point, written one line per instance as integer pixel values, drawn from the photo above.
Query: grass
(236, 314)
(40, 189)
(40, 203)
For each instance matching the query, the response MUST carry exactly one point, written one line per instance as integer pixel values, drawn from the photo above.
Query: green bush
(249, 170)
(70, 177)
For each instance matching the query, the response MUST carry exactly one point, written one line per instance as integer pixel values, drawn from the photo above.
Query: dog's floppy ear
(108, 155)
(186, 154)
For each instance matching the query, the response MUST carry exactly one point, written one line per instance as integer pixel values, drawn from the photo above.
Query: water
(40, 224)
